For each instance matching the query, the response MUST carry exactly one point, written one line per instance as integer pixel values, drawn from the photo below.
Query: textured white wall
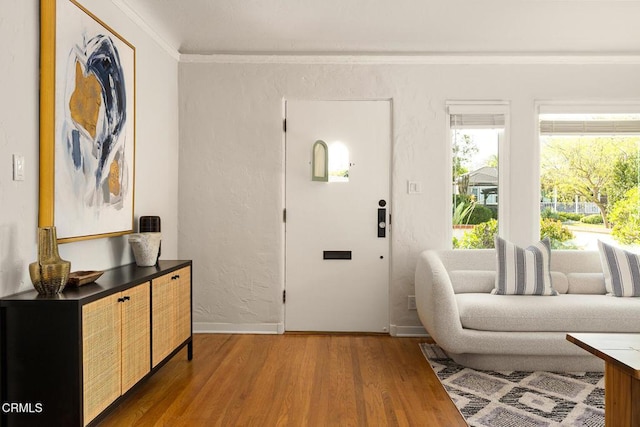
(156, 143)
(232, 169)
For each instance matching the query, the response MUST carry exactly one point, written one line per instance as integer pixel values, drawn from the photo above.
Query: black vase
(151, 224)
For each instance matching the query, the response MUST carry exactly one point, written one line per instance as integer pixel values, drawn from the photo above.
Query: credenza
(67, 360)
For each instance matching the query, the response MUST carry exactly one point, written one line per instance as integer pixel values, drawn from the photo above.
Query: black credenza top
(113, 280)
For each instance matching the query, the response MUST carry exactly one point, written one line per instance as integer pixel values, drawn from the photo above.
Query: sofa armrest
(436, 302)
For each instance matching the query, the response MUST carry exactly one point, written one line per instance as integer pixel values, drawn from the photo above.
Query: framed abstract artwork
(87, 124)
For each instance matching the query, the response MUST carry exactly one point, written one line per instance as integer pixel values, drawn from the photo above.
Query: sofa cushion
(472, 281)
(523, 271)
(576, 261)
(564, 313)
(621, 271)
(465, 281)
(585, 283)
(560, 282)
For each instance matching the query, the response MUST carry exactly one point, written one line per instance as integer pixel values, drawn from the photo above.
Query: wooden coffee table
(621, 354)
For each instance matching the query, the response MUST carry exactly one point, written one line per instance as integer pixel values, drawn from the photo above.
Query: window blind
(476, 121)
(589, 127)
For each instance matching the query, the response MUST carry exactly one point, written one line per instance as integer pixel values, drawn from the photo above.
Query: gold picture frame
(87, 124)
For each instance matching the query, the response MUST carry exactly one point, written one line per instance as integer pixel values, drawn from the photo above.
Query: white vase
(145, 248)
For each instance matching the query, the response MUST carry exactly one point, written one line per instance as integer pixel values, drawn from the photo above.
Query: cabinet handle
(177, 276)
(127, 298)
(120, 299)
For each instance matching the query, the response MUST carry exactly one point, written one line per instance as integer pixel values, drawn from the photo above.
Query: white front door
(337, 234)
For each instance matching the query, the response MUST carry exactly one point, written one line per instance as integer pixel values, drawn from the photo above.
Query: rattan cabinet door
(136, 335)
(170, 312)
(183, 297)
(163, 317)
(101, 350)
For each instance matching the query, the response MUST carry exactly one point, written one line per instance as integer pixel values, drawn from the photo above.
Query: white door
(337, 238)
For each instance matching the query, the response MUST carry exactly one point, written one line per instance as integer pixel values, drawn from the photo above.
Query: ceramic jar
(145, 248)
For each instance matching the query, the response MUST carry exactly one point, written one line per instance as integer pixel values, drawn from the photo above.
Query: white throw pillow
(621, 271)
(523, 271)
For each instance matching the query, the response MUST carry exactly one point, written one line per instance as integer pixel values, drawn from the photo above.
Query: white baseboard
(238, 328)
(278, 328)
(407, 331)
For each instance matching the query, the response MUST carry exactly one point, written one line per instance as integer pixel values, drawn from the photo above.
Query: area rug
(520, 399)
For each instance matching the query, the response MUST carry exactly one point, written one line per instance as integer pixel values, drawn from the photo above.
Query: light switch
(18, 167)
(414, 187)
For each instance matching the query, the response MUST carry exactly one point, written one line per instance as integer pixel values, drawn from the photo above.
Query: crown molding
(418, 59)
(140, 22)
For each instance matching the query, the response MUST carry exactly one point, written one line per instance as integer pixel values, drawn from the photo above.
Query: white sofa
(517, 332)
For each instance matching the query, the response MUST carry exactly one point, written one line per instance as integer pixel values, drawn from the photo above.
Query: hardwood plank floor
(292, 380)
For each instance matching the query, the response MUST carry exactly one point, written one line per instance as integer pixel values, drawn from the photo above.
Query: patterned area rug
(520, 399)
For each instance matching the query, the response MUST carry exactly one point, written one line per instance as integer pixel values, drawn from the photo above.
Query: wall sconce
(320, 162)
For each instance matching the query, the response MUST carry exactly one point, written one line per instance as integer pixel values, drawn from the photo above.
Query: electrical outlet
(411, 302)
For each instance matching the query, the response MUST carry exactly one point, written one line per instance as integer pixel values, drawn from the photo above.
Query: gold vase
(50, 273)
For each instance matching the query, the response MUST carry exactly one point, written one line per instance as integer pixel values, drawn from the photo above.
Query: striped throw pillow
(523, 271)
(621, 271)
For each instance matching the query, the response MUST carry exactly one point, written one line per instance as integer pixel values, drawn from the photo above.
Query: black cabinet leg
(190, 350)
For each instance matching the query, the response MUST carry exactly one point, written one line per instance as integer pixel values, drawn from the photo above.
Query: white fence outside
(586, 208)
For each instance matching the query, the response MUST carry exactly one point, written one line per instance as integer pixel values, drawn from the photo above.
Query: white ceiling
(394, 26)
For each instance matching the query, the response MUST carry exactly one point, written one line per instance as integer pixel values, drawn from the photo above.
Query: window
(330, 163)
(478, 141)
(589, 179)
(338, 162)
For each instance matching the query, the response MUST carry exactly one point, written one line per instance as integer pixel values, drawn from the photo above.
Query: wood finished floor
(292, 380)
